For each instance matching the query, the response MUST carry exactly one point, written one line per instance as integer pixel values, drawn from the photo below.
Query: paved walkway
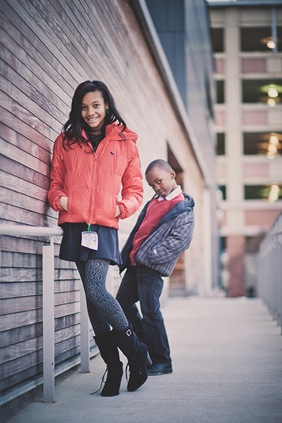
(227, 358)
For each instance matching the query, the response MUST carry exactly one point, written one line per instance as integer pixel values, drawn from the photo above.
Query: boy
(162, 233)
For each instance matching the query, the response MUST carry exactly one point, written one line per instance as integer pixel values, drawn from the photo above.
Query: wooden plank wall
(47, 48)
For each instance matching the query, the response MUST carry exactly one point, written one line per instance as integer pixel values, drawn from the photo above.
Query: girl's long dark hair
(75, 124)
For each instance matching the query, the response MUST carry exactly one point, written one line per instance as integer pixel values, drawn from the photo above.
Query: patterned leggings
(103, 309)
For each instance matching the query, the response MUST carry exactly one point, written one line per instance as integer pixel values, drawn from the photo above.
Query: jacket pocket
(78, 203)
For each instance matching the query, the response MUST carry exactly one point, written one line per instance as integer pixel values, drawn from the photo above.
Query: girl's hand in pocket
(64, 203)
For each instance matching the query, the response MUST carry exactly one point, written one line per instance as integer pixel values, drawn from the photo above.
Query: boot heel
(138, 369)
(136, 353)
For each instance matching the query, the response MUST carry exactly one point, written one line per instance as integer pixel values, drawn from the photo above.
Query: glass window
(217, 40)
(220, 92)
(222, 188)
(263, 192)
(260, 39)
(222, 243)
(263, 143)
(279, 38)
(255, 39)
(268, 91)
(220, 145)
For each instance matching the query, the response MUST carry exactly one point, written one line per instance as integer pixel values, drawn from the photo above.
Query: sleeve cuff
(122, 211)
(57, 204)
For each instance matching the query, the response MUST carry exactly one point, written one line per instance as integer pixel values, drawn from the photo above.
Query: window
(217, 40)
(268, 91)
(255, 39)
(222, 188)
(279, 38)
(220, 145)
(261, 39)
(263, 143)
(222, 243)
(263, 192)
(219, 92)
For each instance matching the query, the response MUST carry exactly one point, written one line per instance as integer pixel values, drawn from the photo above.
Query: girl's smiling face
(93, 109)
(161, 180)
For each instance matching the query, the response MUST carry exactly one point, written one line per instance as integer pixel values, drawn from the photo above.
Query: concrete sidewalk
(227, 359)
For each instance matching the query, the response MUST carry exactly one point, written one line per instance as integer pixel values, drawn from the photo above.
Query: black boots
(136, 353)
(110, 355)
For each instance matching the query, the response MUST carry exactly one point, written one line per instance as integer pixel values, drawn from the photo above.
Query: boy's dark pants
(140, 283)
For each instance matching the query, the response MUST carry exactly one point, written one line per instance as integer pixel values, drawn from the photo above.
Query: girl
(93, 158)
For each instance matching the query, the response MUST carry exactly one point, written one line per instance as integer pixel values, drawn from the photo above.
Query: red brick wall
(235, 248)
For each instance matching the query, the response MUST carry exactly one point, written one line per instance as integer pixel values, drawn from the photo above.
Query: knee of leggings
(94, 296)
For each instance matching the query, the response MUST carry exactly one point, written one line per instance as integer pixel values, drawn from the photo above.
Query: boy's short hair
(163, 164)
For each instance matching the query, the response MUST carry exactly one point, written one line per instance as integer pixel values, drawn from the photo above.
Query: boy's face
(162, 181)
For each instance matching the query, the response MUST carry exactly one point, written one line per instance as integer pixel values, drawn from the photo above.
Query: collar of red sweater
(172, 195)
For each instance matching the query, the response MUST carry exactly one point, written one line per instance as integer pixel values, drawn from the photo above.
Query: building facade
(247, 43)
(183, 30)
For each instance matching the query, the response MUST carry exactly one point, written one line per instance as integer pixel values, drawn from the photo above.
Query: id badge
(89, 239)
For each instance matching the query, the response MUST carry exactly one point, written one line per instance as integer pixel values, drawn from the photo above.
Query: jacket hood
(189, 201)
(183, 206)
(116, 133)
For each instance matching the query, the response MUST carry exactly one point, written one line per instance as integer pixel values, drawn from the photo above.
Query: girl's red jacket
(95, 182)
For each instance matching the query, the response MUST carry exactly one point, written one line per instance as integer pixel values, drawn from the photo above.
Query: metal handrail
(48, 306)
(270, 270)
(30, 230)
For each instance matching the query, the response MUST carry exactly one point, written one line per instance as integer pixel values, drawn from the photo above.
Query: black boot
(110, 355)
(136, 353)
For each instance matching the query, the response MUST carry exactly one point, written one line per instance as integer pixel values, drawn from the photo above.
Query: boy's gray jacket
(166, 242)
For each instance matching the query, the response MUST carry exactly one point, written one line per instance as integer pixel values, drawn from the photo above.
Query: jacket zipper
(97, 154)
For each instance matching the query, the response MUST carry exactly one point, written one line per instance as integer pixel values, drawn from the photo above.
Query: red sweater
(155, 211)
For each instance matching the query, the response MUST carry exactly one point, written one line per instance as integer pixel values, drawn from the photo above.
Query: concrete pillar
(235, 247)
(234, 151)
